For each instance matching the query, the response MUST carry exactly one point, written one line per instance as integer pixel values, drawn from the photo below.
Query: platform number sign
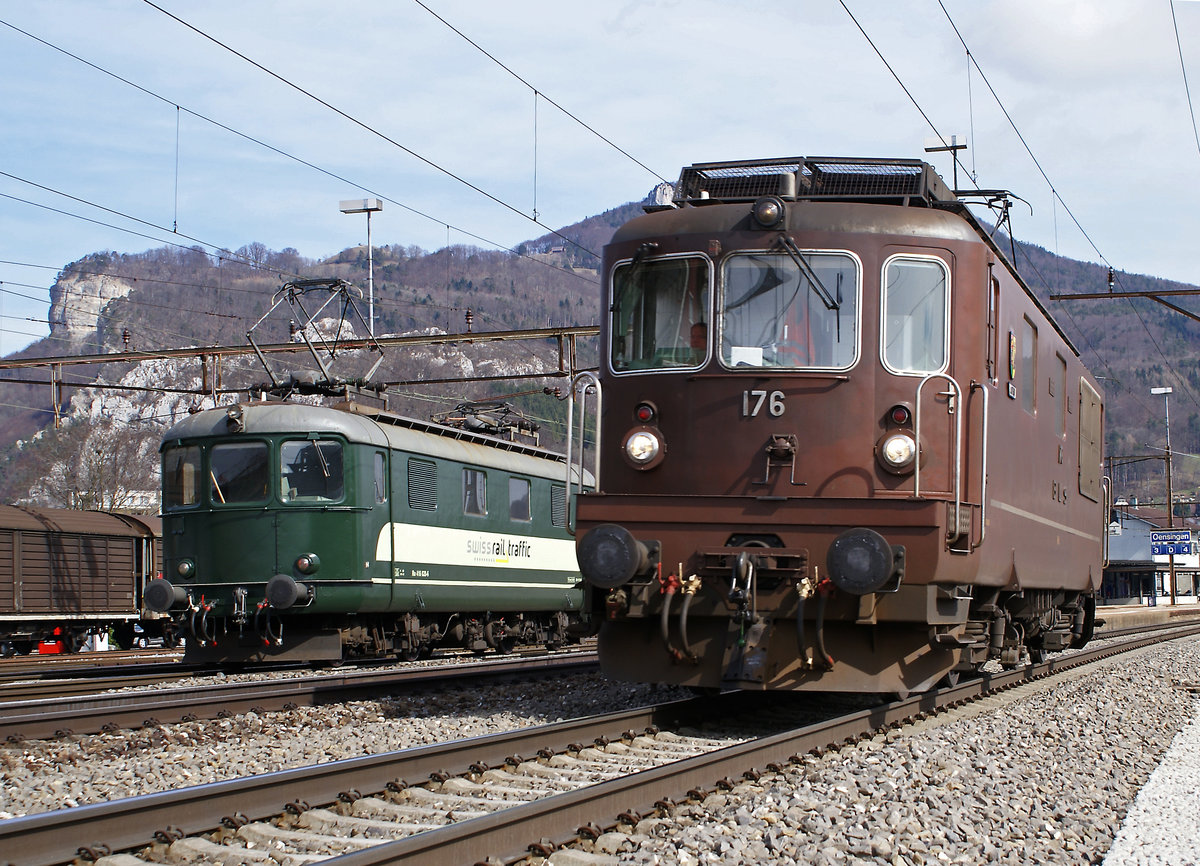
(1170, 542)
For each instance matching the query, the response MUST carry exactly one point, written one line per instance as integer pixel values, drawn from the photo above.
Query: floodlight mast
(367, 206)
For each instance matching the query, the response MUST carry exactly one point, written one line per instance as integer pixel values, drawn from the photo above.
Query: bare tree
(97, 465)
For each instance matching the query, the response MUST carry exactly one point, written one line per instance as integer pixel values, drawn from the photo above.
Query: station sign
(1170, 542)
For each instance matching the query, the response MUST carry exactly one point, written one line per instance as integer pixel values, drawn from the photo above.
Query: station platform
(1117, 616)
(1160, 827)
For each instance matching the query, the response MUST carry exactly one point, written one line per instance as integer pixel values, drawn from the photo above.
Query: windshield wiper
(789, 246)
(639, 259)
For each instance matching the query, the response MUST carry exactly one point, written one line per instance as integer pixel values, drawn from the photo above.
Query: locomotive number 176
(752, 403)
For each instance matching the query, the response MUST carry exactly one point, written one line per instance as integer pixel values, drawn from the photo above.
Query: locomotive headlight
(307, 563)
(897, 452)
(644, 448)
(186, 568)
(768, 211)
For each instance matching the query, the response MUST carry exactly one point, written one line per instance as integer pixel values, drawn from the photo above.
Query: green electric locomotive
(320, 533)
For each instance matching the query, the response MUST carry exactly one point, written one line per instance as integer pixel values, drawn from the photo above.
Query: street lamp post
(367, 206)
(1165, 393)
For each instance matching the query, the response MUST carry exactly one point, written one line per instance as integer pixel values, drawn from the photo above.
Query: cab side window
(518, 499)
(916, 303)
(475, 492)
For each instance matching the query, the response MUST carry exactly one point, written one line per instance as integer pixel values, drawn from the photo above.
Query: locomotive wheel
(496, 635)
(7, 649)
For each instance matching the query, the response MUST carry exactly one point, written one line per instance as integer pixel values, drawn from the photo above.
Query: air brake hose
(668, 588)
(824, 590)
(690, 587)
(201, 634)
(665, 620)
(804, 591)
(262, 625)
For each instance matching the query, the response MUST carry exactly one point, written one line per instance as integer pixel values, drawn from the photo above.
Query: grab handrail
(581, 383)
(955, 398)
(983, 460)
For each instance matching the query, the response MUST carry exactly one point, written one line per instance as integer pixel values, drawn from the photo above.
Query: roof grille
(901, 181)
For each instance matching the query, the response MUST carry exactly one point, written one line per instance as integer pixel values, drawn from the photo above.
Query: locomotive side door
(914, 345)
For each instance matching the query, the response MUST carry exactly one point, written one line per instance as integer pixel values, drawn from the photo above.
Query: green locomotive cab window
(518, 499)
(660, 313)
(311, 471)
(380, 478)
(181, 477)
(916, 302)
(238, 472)
(793, 309)
(475, 492)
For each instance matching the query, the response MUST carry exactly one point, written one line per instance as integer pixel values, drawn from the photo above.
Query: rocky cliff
(77, 302)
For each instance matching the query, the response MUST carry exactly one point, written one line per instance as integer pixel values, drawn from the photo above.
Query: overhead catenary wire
(367, 188)
(1056, 197)
(370, 129)
(1183, 68)
(537, 93)
(535, 96)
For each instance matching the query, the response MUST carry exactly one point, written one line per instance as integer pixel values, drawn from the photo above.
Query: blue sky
(1095, 90)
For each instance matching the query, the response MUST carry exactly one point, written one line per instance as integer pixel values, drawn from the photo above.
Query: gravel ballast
(1045, 775)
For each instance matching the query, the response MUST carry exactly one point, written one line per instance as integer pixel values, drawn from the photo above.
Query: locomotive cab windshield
(240, 473)
(660, 313)
(790, 310)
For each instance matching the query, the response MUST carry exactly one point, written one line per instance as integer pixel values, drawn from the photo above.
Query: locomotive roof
(828, 216)
(380, 429)
(77, 522)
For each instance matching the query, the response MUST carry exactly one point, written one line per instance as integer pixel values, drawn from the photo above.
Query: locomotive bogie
(833, 407)
(360, 535)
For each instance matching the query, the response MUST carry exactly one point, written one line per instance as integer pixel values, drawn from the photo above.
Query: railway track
(51, 714)
(476, 799)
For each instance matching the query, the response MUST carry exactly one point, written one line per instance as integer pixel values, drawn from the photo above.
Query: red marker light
(644, 413)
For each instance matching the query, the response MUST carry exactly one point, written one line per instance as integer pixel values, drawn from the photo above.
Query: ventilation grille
(422, 485)
(900, 181)
(558, 506)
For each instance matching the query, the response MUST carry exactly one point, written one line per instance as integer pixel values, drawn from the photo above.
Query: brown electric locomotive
(841, 446)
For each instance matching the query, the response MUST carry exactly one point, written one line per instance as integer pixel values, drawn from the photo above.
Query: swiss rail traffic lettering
(501, 548)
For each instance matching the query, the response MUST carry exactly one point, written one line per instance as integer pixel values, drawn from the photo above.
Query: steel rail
(46, 684)
(52, 838)
(56, 837)
(508, 836)
(75, 714)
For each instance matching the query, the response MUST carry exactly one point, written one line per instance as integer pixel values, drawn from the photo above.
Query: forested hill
(172, 297)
